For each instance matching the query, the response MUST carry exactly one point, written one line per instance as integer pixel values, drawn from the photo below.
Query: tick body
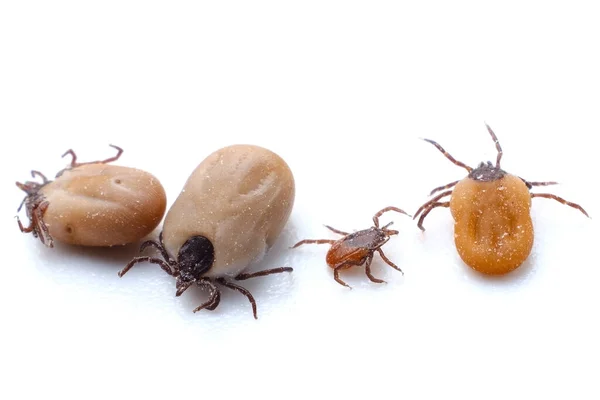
(493, 229)
(358, 248)
(93, 204)
(230, 212)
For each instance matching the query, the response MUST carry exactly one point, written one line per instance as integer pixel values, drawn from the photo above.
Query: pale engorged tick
(357, 248)
(93, 204)
(230, 212)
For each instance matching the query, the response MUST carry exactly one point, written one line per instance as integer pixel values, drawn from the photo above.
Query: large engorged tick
(93, 204)
(357, 248)
(230, 212)
(493, 229)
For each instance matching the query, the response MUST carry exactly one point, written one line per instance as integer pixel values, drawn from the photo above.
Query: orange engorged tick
(357, 248)
(493, 229)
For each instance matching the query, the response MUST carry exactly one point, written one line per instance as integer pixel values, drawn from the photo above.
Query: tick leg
(73, 155)
(336, 231)
(542, 183)
(41, 227)
(431, 207)
(448, 186)
(213, 301)
(74, 162)
(159, 247)
(165, 267)
(448, 156)
(383, 211)
(22, 202)
(497, 142)
(242, 290)
(23, 229)
(368, 271)
(242, 277)
(216, 301)
(336, 275)
(432, 201)
(560, 200)
(532, 184)
(388, 262)
(308, 241)
(38, 173)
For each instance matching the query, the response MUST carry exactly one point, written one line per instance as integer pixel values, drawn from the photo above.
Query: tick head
(487, 172)
(29, 187)
(196, 256)
(32, 188)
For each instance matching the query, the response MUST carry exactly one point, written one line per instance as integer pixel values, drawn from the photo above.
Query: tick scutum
(196, 256)
(487, 172)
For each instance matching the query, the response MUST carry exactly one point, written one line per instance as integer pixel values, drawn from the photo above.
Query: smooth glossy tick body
(493, 229)
(358, 248)
(229, 214)
(93, 204)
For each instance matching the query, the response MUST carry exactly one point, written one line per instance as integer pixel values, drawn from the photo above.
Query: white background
(342, 90)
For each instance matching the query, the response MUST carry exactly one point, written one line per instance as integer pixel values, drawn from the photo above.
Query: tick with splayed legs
(357, 248)
(493, 229)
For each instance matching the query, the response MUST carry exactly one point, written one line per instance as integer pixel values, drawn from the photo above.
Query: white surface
(342, 90)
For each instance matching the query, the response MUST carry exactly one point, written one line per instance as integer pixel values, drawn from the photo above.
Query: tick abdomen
(103, 205)
(493, 230)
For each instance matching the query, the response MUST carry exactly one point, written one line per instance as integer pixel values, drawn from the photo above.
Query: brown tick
(357, 248)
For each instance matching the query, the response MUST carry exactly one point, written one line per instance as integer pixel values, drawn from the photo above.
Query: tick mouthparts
(21, 186)
(388, 224)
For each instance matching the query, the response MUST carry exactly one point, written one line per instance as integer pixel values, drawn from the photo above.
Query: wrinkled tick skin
(93, 204)
(230, 212)
(357, 248)
(493, 230)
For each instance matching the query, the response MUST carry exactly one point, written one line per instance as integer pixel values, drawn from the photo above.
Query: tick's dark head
(195, 258)
(487, 172)
(377, 237)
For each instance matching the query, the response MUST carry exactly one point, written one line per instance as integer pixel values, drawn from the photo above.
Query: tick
(358, 248)
(493, 229)
(230, 212)
(93, 204)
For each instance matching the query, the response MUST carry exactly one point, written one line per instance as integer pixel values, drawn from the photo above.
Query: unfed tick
(93, 204)
(493, 229)
(358, 248)
(230, 212)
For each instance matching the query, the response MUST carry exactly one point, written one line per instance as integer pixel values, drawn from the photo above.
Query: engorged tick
(357, 248)
(230, 212)
(493, 229)
(93, 204)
